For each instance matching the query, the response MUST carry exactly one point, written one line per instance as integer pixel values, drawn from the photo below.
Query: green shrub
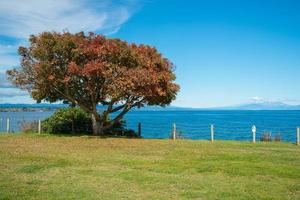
(77, 121)
(277, 137)
(68, 120)
(266, 137)
(29, 126)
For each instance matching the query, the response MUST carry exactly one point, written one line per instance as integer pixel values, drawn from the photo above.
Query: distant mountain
(159, 108)
(263, 106)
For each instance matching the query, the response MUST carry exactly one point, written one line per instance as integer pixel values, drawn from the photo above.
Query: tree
(87, 70)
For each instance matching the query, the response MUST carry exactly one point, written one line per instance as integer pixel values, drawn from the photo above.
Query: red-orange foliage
(86, 70)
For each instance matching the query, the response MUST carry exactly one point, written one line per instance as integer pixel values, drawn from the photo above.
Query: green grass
(52, 167)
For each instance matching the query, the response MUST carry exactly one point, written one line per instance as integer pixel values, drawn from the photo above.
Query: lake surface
(193, 124)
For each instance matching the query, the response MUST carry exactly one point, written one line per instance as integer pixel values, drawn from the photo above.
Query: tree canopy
(87, 70)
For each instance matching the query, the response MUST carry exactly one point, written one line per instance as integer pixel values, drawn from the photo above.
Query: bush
(77, 121)
(266, 137)
(29, 126)
(277, 137)
(68, 120)
(179, 135)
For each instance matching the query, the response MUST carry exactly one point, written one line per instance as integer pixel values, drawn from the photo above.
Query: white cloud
(14, 95)
(17, 99)
(21, 18)
(11, 92)
(8, 61)
(257, 99)
(7, 48)
(3, 82)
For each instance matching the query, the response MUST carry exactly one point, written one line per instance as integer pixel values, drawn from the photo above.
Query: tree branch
(74, 101)
(117, 118)
(126, 107)
(117, 108)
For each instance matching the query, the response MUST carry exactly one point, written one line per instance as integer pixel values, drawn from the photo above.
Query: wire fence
(196, 127)
(220, 132)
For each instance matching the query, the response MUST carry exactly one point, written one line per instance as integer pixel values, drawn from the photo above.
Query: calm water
(229, 125)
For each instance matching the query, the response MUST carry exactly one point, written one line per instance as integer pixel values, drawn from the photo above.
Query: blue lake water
(194, 124)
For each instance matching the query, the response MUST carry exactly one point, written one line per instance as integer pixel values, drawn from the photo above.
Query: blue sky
(225, 52)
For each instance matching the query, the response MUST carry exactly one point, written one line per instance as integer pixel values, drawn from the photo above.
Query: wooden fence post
(174, 131)
(253, 133)
(7, 125)
(139, 129)
(298, 135)
(39, 127)
(212, 132)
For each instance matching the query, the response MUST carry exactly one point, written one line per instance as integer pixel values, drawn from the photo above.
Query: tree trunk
(97, 125)
(73, 126)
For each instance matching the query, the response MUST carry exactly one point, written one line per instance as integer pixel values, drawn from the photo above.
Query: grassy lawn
(52, 167)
